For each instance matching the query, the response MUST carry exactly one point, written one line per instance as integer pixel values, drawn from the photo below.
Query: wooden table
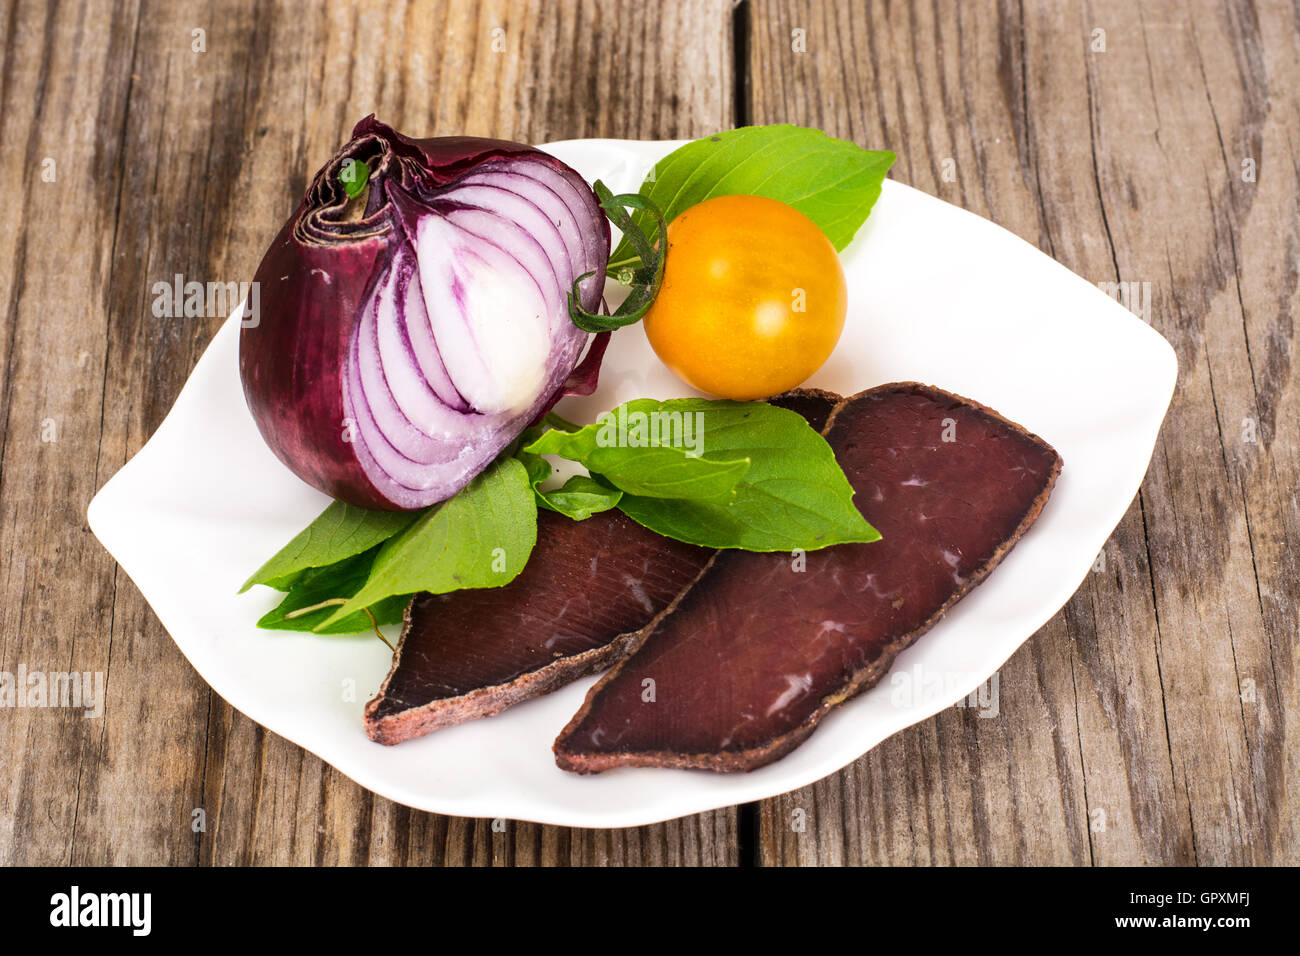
(1154, 720)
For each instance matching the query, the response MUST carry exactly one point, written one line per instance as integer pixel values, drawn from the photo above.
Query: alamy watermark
(638, 429)
(212, 300)
(1134, 296)
(80, 690)
(912, 687)
(133, 911)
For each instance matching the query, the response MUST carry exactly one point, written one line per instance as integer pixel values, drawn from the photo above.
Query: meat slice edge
(587, 592)
(758, 652)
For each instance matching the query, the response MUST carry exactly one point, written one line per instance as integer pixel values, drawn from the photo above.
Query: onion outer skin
(318, 274)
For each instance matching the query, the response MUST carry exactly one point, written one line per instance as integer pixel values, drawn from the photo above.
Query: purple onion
(407, 335)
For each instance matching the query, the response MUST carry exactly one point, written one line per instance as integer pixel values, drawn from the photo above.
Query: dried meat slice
(764, 645)
(588, 587)
(587, 591)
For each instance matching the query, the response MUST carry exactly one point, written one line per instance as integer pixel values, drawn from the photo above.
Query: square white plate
(936, 295)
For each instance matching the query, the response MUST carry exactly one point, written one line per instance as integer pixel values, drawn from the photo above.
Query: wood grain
(171, 160)
(1146, 723)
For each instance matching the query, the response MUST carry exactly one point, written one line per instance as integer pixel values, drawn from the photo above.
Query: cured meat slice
(764, 645)
(814, 404)
(589, 587)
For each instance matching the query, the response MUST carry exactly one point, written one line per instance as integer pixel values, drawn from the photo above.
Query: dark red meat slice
(757, 652)
(814, 404)
(587, 591)
(587, 588)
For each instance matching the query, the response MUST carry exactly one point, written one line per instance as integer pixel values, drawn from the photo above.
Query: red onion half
(408, 334)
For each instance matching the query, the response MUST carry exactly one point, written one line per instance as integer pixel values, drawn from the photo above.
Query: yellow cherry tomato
(752, 301)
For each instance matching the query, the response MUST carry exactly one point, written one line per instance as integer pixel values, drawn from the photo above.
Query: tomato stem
(644, 281)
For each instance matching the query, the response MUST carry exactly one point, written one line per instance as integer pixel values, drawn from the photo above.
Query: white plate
(936, 294)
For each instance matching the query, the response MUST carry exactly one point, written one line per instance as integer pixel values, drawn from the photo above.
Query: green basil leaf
(538, 468)
(831, 181)
(339, 532)
(354, 175)
(648, 448)
(580, 497)
(340, 580)
(480, 538)
(794, 494)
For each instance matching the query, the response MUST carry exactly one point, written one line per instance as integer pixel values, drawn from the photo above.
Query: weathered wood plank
(174, 160)
(63, 98)
(1123, 733)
